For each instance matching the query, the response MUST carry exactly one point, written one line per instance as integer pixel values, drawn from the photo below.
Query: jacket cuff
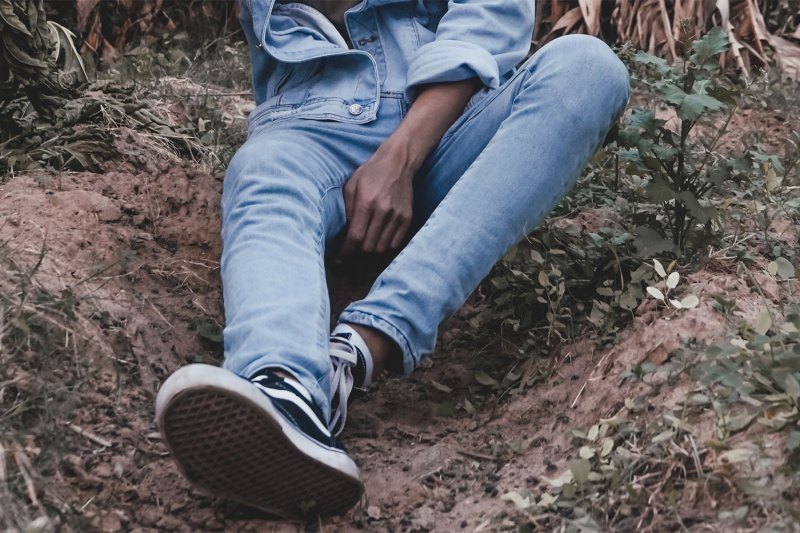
(444, 61)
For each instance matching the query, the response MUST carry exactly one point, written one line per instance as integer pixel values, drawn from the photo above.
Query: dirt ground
(139, 247)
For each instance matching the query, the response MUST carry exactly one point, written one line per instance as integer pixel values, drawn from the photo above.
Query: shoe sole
(231, 441)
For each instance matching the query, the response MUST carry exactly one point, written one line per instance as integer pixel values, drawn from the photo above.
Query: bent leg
(498, 171)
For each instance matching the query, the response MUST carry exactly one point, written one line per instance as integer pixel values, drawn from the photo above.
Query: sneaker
(352, 372)
(260, 442)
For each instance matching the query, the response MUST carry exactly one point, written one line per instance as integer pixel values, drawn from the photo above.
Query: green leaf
(649, 242)
(659, 268)
(665, 153)
(690, 302)
(517, 499)
(658, 191)
(672, 280)
(700, 212)
(706, 51)
(656, 63)
(784, 268)
(644, 119)
(671, 92)
(751, 488)
(793, 441)
(740, 422)
(485, 379)
(443, 388)
(695, 105)
(763, 323)
(729, 97)
(792, 387)
(655, 293)
(580, 469)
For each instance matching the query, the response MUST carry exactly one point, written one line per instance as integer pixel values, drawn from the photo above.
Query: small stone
(103, 470)
(149, 516)
(374, 512)
(110, 523)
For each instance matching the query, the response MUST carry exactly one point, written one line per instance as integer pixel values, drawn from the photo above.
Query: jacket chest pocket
(294, 79)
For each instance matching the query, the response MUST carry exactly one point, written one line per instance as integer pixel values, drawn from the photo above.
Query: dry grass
(667, 28)
(40, 372)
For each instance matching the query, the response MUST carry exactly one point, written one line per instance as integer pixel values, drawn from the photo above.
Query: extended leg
(281, 201)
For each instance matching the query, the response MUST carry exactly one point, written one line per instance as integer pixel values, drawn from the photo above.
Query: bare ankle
(386, 355)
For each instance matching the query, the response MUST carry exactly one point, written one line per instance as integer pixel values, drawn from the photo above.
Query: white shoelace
(344, 357)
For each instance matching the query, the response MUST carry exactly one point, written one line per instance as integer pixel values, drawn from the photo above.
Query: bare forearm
(436, 108)
(379, 196)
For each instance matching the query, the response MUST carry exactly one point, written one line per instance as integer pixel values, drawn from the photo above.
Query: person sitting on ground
(381, 125)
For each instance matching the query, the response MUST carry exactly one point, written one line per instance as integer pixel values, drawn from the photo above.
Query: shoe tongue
(362, 371)
(359, 370)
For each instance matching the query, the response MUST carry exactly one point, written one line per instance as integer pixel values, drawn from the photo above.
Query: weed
(680, 169)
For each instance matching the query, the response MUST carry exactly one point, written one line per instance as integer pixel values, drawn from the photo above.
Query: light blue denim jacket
(303, 67)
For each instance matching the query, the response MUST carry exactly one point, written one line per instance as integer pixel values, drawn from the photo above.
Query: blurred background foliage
(73, 65)
(759, 30)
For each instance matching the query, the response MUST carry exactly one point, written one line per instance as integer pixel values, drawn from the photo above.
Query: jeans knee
(586, 62)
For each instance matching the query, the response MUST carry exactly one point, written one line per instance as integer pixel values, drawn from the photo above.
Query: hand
(378, 200)
(379, 196)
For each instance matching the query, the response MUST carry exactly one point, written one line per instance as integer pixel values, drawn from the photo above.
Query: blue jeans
(497, 172)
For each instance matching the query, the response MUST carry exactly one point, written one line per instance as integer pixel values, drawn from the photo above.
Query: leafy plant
(679, 166)
(671, 281)
(761, 370)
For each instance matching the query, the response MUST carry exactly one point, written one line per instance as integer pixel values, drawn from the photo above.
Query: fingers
(357, 230)
(400, 235)
(382, 218)
(376, 230)
(350, 199)
(378, 220)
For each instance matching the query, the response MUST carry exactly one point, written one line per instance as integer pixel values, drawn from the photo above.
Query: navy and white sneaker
(352, 372)
(260, 442)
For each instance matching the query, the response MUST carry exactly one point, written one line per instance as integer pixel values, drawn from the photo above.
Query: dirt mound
(137, 248)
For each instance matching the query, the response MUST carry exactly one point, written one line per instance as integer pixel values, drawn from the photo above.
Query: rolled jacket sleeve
(475, 38)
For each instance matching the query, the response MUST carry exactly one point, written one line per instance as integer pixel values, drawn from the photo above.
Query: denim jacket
(303, 67)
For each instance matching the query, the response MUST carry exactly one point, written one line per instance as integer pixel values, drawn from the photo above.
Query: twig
(591, 377)
(2, 463)
(90, 500)
(408, 433)
(575, 401)
(167, 322)
(479, 456)
(218, 95)
(91, 436)
(432, 472)
(24, 468)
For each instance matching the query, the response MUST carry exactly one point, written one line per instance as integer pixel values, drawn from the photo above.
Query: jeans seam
(319, 245)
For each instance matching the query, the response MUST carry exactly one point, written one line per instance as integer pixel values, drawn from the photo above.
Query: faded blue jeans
(498, 171)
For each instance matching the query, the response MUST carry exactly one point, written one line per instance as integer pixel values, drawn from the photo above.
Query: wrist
(406, 152)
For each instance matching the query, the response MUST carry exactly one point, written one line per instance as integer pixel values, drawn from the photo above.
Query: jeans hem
(387, 328)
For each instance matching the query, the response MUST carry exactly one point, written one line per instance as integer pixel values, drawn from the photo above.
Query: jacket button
(355, 109)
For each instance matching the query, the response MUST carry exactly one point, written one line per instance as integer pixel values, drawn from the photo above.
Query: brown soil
(139, 246)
